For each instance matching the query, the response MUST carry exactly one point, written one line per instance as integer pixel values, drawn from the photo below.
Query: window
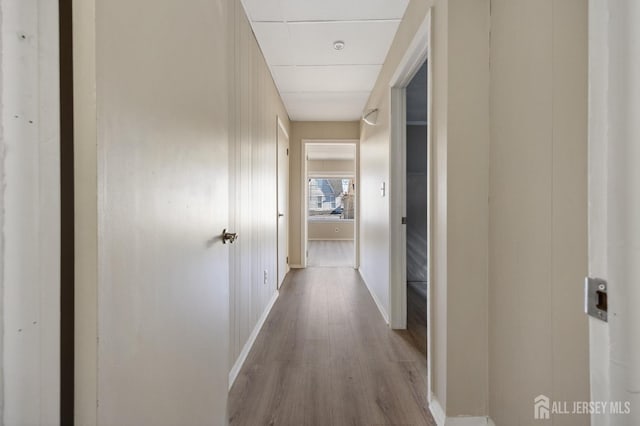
(331, 199)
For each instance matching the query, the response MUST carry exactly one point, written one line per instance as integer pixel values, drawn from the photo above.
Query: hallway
(326, 357)
(214, 212)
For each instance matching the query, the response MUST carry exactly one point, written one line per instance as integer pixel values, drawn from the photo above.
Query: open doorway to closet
(417, 247)
(411, 194)
(330, 204)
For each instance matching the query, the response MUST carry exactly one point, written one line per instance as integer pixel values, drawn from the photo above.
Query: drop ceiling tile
(275, 42)
(324, 106)
(264, 10)
(366, 42)
(341, 10)
(334, 78)
(296, 37)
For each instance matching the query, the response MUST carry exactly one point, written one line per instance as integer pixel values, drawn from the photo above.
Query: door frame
(417, 53)
(281, 126)
(305, 197)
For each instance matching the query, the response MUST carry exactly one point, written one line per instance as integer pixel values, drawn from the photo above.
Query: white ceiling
(318, 83)
(331, 152)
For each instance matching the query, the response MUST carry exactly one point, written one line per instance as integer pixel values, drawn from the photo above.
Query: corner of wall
(441, 418)
(383, 310)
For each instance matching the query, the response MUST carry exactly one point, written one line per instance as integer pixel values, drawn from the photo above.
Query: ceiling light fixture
(338, 45)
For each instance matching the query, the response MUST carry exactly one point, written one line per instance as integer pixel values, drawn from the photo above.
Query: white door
(283, 203)
(163, 293)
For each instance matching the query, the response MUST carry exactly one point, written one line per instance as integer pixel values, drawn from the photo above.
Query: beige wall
(256, 104)
(516, 133)
(331, 230)
(319, 166)
(460, 219)
(538, 227)
(85, 153)
(302, 130)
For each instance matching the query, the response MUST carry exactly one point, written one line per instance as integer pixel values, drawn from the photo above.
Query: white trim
(431, 202)
(437, 412)
(237, 366)
(414, 57)
(296, 266)
(417, 52)
(442, 420)
(381, 308)
(287, 212)
(281, 124)
(305, 205)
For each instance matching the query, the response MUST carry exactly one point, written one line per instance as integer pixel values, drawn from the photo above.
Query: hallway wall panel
(256, 105)
(538, 342)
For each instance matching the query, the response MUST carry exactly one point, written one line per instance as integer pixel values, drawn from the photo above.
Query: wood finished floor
(417, 315)
(330, 253)
(326, 357)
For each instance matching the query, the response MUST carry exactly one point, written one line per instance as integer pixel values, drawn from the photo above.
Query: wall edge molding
(442, 420)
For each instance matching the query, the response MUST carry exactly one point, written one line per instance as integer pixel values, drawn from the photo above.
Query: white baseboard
(237, 366)
(442, 420)
(382, 310)
(437, 412)
(296, 267)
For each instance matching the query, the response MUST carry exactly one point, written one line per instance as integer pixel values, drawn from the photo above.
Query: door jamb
(417, 53)
(280, 124)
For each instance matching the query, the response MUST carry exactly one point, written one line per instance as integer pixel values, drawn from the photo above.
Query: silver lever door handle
(228, 236)
(280, 214)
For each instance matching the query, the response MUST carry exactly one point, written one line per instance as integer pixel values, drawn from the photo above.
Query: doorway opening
(410, 193)
(283, 200)
(417, 261)
(330, 204)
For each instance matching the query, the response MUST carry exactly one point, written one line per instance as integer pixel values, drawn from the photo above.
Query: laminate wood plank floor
(326, 357)
(417, 314)
(330, 253)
